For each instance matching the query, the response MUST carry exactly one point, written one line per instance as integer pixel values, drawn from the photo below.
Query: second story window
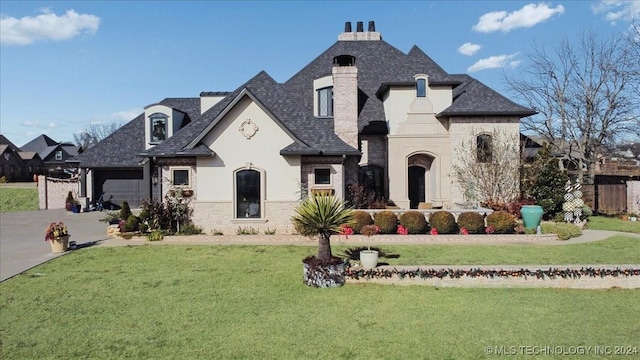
(158, 128)
(59, 155)
(421, 88)
(484, 148)
(325, 102)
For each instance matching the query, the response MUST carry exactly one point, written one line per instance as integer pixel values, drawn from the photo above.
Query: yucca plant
(322, 216)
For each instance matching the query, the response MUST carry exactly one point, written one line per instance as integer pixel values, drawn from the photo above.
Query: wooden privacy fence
(606, 198)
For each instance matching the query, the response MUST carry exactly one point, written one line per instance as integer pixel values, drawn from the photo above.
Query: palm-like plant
(322, 215)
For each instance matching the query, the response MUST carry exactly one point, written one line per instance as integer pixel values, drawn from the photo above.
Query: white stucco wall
(234, 151)
(402, 101)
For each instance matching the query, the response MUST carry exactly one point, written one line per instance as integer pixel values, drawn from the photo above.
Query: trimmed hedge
(502, 222)
(414, 222)
(361, 218)
(444, 222)
(472, 221)
(387, 221)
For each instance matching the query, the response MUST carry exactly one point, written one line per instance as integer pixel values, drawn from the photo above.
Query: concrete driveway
(22, 244)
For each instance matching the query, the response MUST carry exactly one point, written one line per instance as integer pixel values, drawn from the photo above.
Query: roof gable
(473, 97)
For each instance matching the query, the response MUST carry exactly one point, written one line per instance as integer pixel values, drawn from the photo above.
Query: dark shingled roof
(121, 148)
(380, 66)
(44, 146)
(475, 98)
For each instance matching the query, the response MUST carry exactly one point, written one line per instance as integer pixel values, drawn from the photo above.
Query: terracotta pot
(59, 244)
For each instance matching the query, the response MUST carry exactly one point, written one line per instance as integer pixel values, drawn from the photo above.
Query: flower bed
(508, 276)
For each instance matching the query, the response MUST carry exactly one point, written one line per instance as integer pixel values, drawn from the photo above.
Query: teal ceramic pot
(531, 215)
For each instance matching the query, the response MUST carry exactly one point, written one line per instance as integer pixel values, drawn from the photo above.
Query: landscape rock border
(539, 276)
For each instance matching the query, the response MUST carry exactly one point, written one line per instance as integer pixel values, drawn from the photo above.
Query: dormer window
(58, 155)
(325, 102)
(421, 88)
(158, 126)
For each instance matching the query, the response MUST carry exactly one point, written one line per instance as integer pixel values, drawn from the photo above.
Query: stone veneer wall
(309, 163)
(52, 192)
(219, 216)
(633, 197)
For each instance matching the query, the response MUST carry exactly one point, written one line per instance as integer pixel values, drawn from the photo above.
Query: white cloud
(30, 124)
(469, 48)
(46, 26)
(127, 115)
(529, 16)
(52, 125)
(615, 10)
(492, 62)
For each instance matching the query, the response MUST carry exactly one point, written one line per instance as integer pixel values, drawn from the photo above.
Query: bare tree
(490, 173)
(94, 134)
(586, 96)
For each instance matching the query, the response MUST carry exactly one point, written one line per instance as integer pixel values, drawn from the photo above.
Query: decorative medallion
(6, 156)
(248, 128)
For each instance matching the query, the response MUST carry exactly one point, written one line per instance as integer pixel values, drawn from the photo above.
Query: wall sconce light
(154, 177)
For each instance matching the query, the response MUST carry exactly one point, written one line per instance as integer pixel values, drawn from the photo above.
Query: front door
(416, 186)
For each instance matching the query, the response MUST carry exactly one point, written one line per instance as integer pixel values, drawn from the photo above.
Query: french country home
(361, 112)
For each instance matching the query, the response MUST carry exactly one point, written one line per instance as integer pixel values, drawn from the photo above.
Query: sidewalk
(377, 240)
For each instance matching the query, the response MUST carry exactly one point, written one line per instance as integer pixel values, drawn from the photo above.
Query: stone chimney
(345, 99)
(360, 34)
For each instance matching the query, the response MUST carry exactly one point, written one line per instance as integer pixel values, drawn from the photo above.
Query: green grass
(248, 302)
(614, 224)
(17, 198)
(615, 250)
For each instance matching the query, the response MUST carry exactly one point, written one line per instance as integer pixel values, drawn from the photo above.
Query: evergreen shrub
(472, 221)
(444, 222)
(361, 218)
(414, 222)
(502, 221)
(387, 221)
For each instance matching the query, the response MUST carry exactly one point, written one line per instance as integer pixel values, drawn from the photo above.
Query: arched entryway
(418, 179)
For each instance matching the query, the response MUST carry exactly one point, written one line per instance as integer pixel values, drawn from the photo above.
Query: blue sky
(67, 64)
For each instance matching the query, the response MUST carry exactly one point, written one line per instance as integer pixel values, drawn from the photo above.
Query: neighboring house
(53, 154)
(16, 165)
(361, 112)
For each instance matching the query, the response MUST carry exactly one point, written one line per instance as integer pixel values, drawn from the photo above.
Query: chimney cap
(347, 26)
(372, 26)
(360, 27)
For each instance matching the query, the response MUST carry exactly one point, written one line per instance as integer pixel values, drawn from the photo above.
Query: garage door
(119, 186)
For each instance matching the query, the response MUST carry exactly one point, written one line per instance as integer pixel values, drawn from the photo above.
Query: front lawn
(248, 302)
(613, 223)
(615, 250)
(18, 199)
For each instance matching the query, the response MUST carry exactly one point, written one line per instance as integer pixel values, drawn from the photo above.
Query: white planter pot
(633, 218)
(369, 259)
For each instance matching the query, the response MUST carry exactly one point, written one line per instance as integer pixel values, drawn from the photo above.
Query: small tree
(322, 216)
(545, 182)
(493, 169)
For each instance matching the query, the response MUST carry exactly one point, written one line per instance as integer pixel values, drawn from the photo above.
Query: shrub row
(499, 222)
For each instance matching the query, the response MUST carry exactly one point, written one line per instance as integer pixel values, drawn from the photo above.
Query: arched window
(421, 88)
(484, 144)
(248, 194)
(158, 125)
(325, 102)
